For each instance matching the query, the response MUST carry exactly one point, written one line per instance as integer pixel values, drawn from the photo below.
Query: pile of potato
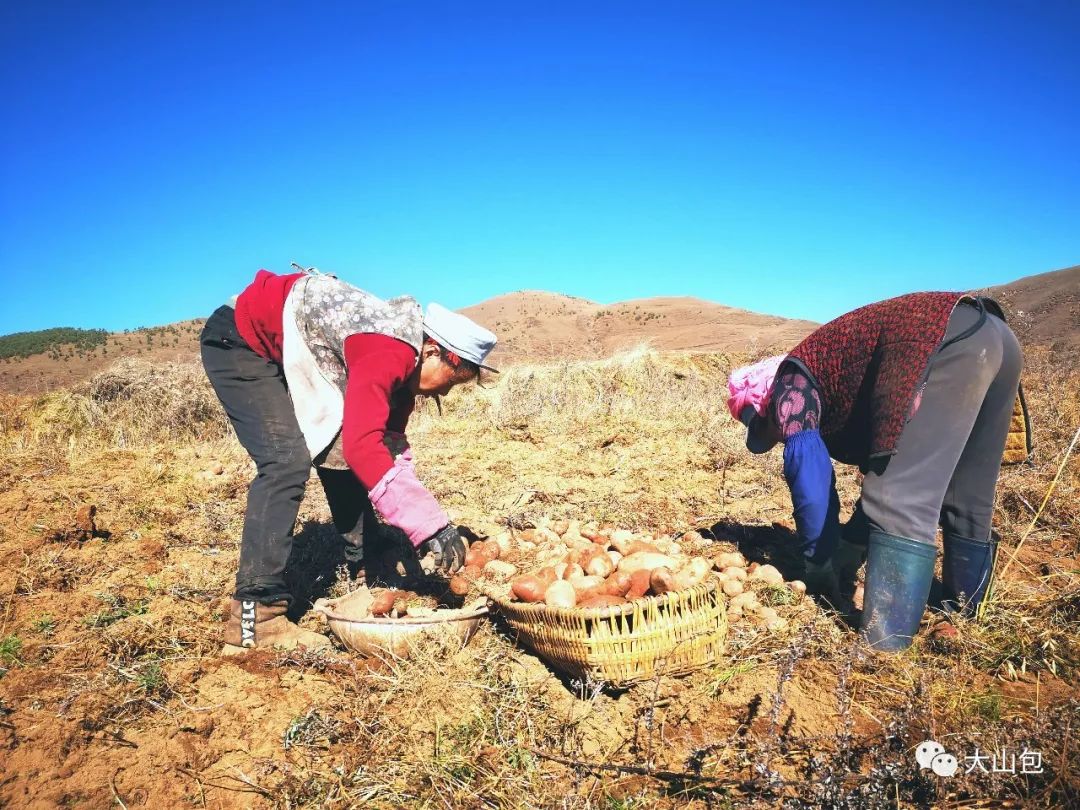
(575, 564)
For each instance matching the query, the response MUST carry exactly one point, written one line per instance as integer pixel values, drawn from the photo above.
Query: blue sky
(793, 158)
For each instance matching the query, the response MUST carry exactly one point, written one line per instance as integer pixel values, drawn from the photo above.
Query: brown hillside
(157, 344)
(536, 326)
(1045, 309)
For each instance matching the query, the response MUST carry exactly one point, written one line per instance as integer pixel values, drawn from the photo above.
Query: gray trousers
(947, 460)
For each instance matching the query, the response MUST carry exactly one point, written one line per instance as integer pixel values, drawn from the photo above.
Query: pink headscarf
(752, 385)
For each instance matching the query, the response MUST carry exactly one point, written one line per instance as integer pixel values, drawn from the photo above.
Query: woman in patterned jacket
(311, 370)
(917, 391)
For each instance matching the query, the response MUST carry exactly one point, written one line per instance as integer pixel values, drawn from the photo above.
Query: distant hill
(1044, 309)
(64, 364)
(538, 326)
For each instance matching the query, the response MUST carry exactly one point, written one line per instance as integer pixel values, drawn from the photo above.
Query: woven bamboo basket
(673, 634)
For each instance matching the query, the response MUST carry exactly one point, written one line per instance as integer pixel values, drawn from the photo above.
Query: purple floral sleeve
(795, 402)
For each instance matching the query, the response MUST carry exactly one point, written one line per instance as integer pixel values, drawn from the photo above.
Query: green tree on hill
(24, 344)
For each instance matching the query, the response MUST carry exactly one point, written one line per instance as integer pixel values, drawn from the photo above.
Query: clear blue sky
(792, 158)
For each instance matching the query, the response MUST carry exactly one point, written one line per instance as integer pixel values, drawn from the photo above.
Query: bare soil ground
(112, 692)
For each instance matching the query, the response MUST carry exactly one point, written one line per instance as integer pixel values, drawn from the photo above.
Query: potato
(775, 625)
(602, 601)
(614, 556)
(490, 551)
(639, 583)
(587, 585)
(662, 581)
(472, 571)
(560, 526)
(545, 537)
(734, 572)
(600, 565)
(798, 586)
(691, 536)
(635, 546)
(459, 585)
(730, 559)
(618, 583)
(695, 571)
(646, 559)
(528, 535)
(503, 541)
(383, 602)
(732, 587)
(769, 574)
(734, 614)
(560, 594)
(767, 614)
(474, 557)
(667, 546)
(572, 571)
(744, 601)
(500, 569)
(529, 587)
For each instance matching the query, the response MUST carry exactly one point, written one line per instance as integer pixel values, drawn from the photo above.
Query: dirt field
(112, 692)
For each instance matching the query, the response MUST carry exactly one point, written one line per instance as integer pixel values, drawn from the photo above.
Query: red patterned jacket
(868, 366)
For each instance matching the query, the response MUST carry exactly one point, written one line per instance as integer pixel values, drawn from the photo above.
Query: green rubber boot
(899, 571)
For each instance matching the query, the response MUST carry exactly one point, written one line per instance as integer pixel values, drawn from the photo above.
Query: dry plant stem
(1038, 514)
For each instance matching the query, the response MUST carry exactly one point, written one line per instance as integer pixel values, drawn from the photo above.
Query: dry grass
(110, 687)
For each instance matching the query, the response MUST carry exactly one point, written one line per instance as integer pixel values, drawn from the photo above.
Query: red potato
(490, 551)
(529, 587)
(560, 594)
(601, 601)
(383, 602)
(459, 585)
(639, 583)
(474, 557)
(572, 571)
(662, 581)
(618, 584)
(472, 571)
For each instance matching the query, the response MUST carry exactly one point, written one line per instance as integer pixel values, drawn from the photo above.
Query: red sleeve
(378, 367)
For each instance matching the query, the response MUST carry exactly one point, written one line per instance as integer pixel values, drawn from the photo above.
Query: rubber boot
(967, 571)
(899, 571)
(255, 625)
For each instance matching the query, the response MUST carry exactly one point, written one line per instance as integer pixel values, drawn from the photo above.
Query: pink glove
(402, 501)
(752, 385)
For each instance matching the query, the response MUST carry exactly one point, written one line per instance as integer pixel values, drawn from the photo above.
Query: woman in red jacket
(917, 391)
(313, 370)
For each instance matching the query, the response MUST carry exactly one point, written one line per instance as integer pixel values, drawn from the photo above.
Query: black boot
(899, 571)
(967, 571)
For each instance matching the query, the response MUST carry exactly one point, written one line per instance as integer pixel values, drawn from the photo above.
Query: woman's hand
(447, 547)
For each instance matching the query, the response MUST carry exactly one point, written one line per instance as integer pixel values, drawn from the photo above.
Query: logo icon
(926, 752)
(944, 765)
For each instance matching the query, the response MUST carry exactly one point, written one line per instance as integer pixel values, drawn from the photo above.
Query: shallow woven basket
(671, 634)
(374, 637)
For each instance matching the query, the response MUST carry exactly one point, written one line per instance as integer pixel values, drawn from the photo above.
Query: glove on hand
(447, 547)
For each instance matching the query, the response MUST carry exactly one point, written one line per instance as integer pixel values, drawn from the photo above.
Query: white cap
(461, 335)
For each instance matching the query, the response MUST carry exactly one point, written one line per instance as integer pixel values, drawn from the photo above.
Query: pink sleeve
(402, 501)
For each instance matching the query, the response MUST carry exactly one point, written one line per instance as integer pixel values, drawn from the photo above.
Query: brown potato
(735, 572)
(600, 565)
(474, 557)
(472, 571)
(798, 586)
(662, 581)
(618, 584)
(732, 587)
(586, 585)
(560, 526)
(490, 551)
(646, 559)
(459, 585)
(769, 574)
